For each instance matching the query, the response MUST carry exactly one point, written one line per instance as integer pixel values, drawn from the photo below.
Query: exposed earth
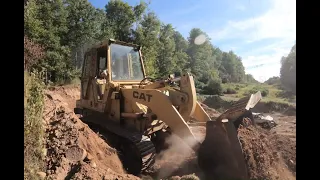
(74, 151)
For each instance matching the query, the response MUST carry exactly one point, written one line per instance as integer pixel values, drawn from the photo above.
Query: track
(136, 150)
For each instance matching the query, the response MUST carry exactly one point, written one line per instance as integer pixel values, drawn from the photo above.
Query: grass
(274, 99)
(33, 128)
(270, 93)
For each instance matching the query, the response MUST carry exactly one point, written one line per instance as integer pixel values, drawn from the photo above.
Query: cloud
(263, 39)
(265, 62)
(277, 22)
(266, 54)
(240, 7)
(266, 65)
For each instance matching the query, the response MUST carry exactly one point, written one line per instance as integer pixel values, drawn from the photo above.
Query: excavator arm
(220, 154)
(174, 107)
(162, 106)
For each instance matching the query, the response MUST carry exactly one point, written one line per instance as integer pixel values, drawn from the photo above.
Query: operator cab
(126, 64)
(111, 61)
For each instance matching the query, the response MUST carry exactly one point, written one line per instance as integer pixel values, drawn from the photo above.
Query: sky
(260, 31)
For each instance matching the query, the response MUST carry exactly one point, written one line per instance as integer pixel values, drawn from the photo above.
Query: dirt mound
(287, 149)
(263, 160)
(86, 171)
(290, 111)
(66, 94)
(73, 149)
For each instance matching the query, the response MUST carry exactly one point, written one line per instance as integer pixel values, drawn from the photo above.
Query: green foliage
(200, 55)
(264, 91)
(213, 87)
(120, 18)
(231, 68)
(82, 22)
(270, 93)
(66, 28)
(147, 36)
(165, 60)
(250, 79)
(230, 91)
(288, 71)
(273, 81)
(33, 130)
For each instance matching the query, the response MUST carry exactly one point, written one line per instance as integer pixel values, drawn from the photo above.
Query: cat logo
(145, 97)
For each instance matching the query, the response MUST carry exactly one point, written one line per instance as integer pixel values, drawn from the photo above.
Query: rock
(75, 154)
(48, 171)
(291, 161)
(69, 124)
(57, 133)
(89, 157)
(42, 175)
(44, 152)
(93, 164)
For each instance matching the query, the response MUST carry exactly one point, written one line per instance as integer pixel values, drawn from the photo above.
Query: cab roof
(109, 41)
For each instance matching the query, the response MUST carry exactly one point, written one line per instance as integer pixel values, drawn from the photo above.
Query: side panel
(85, 75)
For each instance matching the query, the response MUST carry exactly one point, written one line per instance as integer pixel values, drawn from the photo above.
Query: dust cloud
(171, 159)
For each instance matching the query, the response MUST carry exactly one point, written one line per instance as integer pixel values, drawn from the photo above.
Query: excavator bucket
(220, 155)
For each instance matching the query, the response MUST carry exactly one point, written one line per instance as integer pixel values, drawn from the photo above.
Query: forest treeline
(58, 32)
(287, 79)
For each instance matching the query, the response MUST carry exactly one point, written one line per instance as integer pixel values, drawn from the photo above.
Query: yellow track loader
(140, 112)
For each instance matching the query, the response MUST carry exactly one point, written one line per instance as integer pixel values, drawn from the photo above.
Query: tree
(33, 25)
(180, 53)
(81, 22)
(84, 24)
(202, 61)
(165, 59)
(200, 54)
(146, 35)
(121, 17)
(288, 71)
(273, 80)
(232, 68)
(66, 28)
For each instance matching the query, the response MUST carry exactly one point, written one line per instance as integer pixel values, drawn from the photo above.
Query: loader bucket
(220, 155)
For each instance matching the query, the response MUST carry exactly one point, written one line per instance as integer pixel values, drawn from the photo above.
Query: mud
(74, 151)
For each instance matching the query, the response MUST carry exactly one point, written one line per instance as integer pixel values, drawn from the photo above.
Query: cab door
(102, 66)
(85, 76)
(88, 79)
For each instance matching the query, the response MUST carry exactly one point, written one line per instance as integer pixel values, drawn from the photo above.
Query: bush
(213, 87)
(285, 94)
(229, 91)
(264, 91)
(33, 129)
